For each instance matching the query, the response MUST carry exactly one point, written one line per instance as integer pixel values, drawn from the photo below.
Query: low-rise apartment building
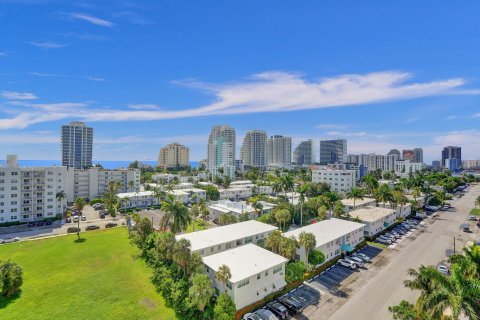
(192, 195)
(339, 180)
(235, 193)
(138, 199)
(333, 237)
(375, 219)
(255, 273)
(219, 239)
(405, 168)
(349, 204)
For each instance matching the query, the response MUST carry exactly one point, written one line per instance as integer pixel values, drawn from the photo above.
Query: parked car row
(9, 240)
(98, 206)
(398, 231)
(91, 227)
(354, 261)
(39, 223)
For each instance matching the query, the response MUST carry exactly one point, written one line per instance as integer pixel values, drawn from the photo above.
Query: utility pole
(454, 245)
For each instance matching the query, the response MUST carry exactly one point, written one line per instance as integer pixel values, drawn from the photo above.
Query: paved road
(429, 247)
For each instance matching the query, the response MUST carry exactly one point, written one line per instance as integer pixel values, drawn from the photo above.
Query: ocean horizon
(107, 164)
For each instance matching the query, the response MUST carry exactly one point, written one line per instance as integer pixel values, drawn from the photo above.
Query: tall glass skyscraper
(333, 151)
(77, 145)
(304, 153)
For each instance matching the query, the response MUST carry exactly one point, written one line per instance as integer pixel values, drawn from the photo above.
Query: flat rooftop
(358, 202)
(244, 261)
(327, 230)
(135, 194)
(206, 238)
(371, 214)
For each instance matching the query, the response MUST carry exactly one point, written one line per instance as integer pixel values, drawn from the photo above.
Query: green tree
(60, 196)
(143, 229)
(274, 241)
(302, 190)
(287, 183)
(165, 246)
(405, 311)
(159, 194)
(282, 216)
(11, 278)
(308, 241)
(200, 291)
(225, 308)
(288, 247)
(316, 257)
(384, 194)
(223, 275)
(355, 193)
(131, 185)
(226, 218)
(371, 183)
(322, 212)
(477, 202)
(182, 254)
(295, 271)
(416, 192)
(176, 216)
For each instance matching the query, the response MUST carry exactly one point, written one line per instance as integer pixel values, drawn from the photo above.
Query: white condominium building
(375, 219)
(253, 151)
(333, 237)
(279, 151)
(221, 151)
(339, 179)
(77, 145)
(404, 168)
(29, 194)
(255, 273)
(377, 161)
(173, 156)
(137, 199)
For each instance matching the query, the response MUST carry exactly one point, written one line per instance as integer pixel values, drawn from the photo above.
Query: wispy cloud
(332, 126)
(132, 17)
(452, 117)
(47, 44)
(476, 115)
(91, 19)
(54, 75)
(347, 133)
(411, 120)
(14, 95)
(3, 54)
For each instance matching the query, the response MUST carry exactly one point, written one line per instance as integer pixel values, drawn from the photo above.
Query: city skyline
(308, 85)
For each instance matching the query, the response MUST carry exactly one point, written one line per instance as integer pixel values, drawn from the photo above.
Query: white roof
(244, 261)
(371, 214)
(241, 182)
(206, 238)
(135, 194)
(327, 230)
(358, 202)
(230, 206)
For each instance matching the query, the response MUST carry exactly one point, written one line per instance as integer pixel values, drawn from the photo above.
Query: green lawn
(95, 279)
(475, 212)
(376, 244)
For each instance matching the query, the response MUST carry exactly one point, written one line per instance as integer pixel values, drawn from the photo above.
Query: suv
(278, 309)
(251, 316)
(72, 229)
(294, 306)
(265, 314)
(93, 227)
(347, 264)
(356, 260)
(76, 219)
(110, 225)
(362, 256)
(384, 240)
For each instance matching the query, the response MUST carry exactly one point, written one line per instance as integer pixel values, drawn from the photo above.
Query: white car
(362, 256)
(356, 260)
(443, 269)
(347, 263)
(9, 240)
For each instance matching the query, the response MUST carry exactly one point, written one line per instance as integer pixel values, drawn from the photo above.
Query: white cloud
(47, 44)
(347, 134)
(92, 19)
(14, 95)
(332, 126)
(410, 120)
(3, 54)
(477, 115)
(95, 79)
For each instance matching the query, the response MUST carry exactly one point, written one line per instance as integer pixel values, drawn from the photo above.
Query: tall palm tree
(400, 199)
(384, 194)
(195, 265)
(371, 183)
(302, 190)
(113, 186)
(80, 202)
(195, 211)
(416, 192)
(308, 241)
(223, 275)
(159, 194)
(60, 196)
(277, 186)
(355, 193)
(176, 216)
(282, 216)
(131, 185)
(274, 241)
(182, 254)
(332, 197)
(287, 184)
(200, 291)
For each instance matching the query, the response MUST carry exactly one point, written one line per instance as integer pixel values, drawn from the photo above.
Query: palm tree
(200, 291)
(195, 212)
(80, 202)
(400, 198)
(301, 192)
(384, 194)
(355, 193)
(60, 196)
(131, 185)
(176, 216)
(332, 197)
(477, 202)
(371, 183)
(123, 203)
(159, 194)
(223, 275)
(308, 241)
(277, 186)
(282, 216)
(274, 241)
(165, 246)
(195, 265)
(182, 254)
(287, 184)
(416, 192)
(113, 186)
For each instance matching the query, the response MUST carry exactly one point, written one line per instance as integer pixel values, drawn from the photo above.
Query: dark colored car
(73, 229)
(110, 225)
(48, 222)
(293, 306)
(92, 228)
(68, 220)
(278, 309)
(31, 224)
(40, 223)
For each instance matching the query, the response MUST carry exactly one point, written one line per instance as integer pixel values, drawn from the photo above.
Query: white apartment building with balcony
(137, 199)
(375, 219)
(339, 180)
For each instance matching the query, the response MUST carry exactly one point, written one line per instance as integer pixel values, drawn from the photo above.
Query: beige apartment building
(173, 156)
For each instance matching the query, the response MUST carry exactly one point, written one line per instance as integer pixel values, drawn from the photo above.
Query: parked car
(73, 229)
(443, 269)
(76, 219)
(92, 227)
(251, 316)
(265, 314)
(31, 224)
(9, 240)
(110, 225)
(473, 218)
(84, 218)
(362, 256)
(48, 222)
(293, 306)
(357, 260)
(383, 240)
(278, 309)
(347, 264)
(400, 231)
(466, 227)
(384, 237)
(40, 223)
(68, 220)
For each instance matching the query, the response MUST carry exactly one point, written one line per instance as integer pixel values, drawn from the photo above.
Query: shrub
(295, 271)
(93, 201)
(11, 278)
(316, 257)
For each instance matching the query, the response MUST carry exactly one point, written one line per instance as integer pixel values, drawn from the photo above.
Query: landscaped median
(96, 278)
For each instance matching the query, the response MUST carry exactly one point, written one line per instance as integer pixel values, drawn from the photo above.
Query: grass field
(94, 279)
(475, 212)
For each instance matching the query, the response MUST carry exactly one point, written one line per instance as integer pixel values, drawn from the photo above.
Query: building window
(277, 269)
(259, 276)
(243, 283)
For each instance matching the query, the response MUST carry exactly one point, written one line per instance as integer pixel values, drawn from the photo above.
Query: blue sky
(145, 73)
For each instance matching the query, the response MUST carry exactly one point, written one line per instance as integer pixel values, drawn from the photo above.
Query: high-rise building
(333, 151)
(353, 158)
(418, 155)
(77, 144)
(451, 152)
(221, 151)
(394, 152)
(436, 164)
(408, 155)
(173, 156)
(253, 151)
(304, 153)
(279, 151)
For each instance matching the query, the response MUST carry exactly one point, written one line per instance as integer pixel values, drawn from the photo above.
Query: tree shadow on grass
(4, 302)
(81, 240)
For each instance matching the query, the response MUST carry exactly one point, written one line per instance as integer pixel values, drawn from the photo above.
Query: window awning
(385, 224)
(346, 247)
(280, 283)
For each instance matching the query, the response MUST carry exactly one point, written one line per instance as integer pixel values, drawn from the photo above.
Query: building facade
(339, 179)
(279, 151)
(451, 152)
(418, 155)
(375, 219)
(405, 168)
(253, 152)
(408, 155)
(333, 151)
(77, 145)
(221, 151)
(304, 153)
(173, 156)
